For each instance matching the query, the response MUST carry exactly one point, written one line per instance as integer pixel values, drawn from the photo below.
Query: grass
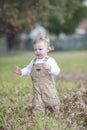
(16, 93)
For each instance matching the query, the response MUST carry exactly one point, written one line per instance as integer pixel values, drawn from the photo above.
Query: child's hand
(17, 70)
(46, 66)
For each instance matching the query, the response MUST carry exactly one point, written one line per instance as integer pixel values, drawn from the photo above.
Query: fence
(70, 43)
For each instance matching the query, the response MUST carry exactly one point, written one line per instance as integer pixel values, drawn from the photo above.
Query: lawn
(16, 93)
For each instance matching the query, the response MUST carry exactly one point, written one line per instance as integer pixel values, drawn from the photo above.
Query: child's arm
(23, 71)
(17, 70)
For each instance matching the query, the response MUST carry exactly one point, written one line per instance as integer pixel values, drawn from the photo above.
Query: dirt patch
(79, 77)
(74, 102)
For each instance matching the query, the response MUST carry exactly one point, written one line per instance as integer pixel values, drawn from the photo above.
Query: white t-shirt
(55, 70)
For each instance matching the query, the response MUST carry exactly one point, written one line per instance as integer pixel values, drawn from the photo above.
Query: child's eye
(35, 49)
(40, 49)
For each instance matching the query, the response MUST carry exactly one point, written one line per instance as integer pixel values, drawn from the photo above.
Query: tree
(63, 15)
(57, 16)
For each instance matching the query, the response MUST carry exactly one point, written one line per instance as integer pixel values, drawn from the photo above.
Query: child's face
(40, 49)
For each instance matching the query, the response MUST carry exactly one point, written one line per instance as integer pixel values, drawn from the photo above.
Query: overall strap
(34, 61)
(46, 58)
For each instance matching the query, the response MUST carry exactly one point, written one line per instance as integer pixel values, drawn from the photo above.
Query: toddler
(42, 70)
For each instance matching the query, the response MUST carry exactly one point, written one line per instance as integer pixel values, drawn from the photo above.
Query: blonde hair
(45, 39)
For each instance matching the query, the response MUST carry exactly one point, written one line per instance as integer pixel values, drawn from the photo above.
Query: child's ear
(49, 49)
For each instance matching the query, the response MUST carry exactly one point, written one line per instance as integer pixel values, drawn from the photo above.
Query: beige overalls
(45, 93)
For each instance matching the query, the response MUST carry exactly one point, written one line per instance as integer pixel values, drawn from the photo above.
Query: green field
(16, 93)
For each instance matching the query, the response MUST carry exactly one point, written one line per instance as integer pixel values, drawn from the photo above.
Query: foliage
(64, 16)
(56, 16)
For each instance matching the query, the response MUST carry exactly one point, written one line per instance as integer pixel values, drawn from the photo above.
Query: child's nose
(38, 51)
